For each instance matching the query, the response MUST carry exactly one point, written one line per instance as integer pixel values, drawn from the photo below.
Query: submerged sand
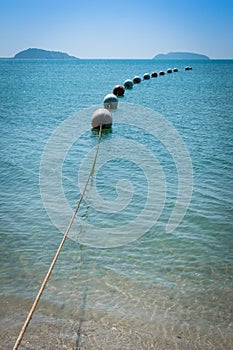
(50, 331)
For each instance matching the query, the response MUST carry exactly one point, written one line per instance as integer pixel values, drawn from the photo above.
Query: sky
(119, 28)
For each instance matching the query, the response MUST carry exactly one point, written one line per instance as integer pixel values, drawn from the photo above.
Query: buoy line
(119, 90)
(46, 278)
(101, 119)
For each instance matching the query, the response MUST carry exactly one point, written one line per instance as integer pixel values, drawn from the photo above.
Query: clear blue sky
(118, 28)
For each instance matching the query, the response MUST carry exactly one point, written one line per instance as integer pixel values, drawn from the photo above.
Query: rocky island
(34, 53)
(180, 56)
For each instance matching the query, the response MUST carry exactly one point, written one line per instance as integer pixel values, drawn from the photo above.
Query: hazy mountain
(180, 56)
(34, 53)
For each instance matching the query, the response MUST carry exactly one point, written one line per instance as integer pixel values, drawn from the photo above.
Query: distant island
(34, 53)
(180, 56)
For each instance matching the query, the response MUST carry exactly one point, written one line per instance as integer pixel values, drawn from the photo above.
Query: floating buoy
(161, 73)
(146, 76)
(137, 79)
(154, 75)
(128, 84)
(175, 69)
(110, 101)
(101, 116)
(188, 68)
(169, 70)
(119, 90)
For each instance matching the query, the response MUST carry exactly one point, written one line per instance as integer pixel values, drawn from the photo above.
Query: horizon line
(122, 58)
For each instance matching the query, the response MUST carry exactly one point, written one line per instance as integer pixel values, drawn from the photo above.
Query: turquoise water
(179, 281)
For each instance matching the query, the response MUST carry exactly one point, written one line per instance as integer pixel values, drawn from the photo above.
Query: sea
(148, 261)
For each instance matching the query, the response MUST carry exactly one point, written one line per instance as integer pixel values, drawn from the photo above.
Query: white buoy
(110, 101)
(146, 76)
(137, 80)
(128, 84)
(101, 116)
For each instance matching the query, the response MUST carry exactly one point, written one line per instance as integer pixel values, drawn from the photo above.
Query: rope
(43, 285)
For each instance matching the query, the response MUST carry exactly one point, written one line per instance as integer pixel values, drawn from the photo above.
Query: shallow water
(179, 283)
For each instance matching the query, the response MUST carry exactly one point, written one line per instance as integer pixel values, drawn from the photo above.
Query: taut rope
(43, 285)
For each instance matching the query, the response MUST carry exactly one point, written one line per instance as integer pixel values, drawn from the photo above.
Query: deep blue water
(179, 279)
